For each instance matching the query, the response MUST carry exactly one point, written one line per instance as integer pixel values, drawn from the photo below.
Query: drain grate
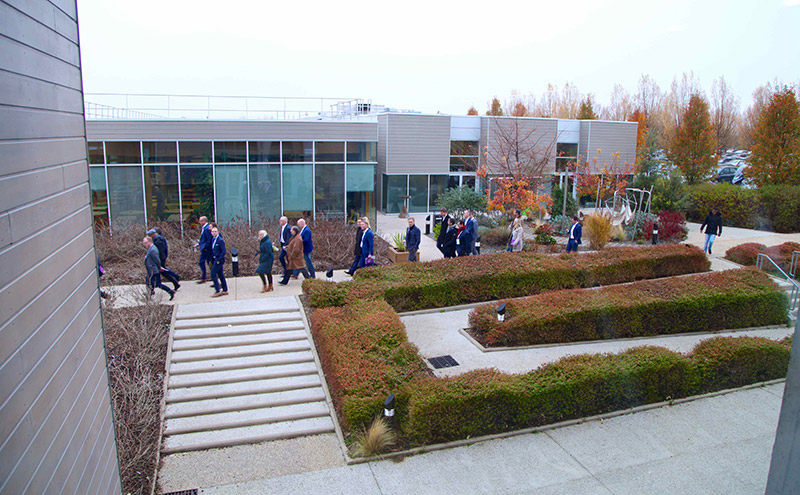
(193, 491)
(443, 362)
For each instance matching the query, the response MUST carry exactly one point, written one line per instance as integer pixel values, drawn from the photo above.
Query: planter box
(396, 256)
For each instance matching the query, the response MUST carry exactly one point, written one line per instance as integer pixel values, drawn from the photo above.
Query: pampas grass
(378, 438)
(598, 230)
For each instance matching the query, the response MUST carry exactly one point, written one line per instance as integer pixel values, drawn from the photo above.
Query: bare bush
(598, 230)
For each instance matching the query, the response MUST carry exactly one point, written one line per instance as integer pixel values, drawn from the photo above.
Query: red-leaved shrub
(671, 226)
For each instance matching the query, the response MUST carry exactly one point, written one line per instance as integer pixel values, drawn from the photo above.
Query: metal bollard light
(388, 410)
(235, 261)
(478, 245)
(501, 312)
(329, 275)
(428, 220)
(655, 233)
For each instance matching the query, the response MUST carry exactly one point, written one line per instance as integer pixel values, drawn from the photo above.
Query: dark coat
(205, 239)
(357, 248)
(463, 246)
(367, 243)
(152, 261)
(578, 232)
(443, 231)
(266, 256)
(413, 236)
(285, 235)
(163, 249)
(294, 254)
(712, 224)
(305, 234)
(472, 228)
(218, 249)
(449, 241)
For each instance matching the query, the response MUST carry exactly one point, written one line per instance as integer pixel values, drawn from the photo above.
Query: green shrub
(448, 282)
(695, 303)
(740, 207)
(747, 254)
(781, 208)
(724, 363)
(497, 236)
(459, 199)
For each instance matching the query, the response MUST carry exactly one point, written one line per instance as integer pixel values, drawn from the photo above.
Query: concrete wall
(56, 429)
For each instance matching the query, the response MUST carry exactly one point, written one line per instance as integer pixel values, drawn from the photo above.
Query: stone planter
(396, 256)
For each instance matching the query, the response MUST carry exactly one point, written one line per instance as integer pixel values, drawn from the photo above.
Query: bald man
(285, 236)
(308, 246)
(204, 244)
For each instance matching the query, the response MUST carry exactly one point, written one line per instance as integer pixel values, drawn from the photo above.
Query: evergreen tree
(693, 145)
(586, 111)
(495, 108)
(776, 153)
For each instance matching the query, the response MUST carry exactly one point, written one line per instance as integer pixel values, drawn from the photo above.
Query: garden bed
(705, 302)
(747, 254)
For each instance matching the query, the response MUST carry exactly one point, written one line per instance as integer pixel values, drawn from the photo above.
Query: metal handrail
(795, 286)
(793, 268)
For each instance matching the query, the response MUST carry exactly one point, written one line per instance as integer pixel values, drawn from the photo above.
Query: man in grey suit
(152, 262)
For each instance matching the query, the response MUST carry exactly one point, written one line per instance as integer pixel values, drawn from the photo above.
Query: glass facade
(265, 192)
(162, 198)
(197, 192)
(298, 197)
(418, 190)
(96, 153)
(230, 151)
(230, 189)
(123, 152)
(297, 151)
(360, 189)
(329, 190)
(97, 185)
(566, 153)
(362, 152)
(265, 151)
(160, 152)
(125, 194)
(464, 156)
(394, 188)
(195, 151)
(329, 152)
(437, 187)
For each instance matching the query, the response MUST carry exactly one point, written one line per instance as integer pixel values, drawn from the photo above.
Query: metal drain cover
(443, 362)
(193, 491)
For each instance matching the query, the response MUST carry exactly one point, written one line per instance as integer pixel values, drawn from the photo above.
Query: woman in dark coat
(266, 259)
(295, 261)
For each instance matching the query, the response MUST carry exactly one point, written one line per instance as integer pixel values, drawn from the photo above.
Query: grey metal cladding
(418, 144)
(55, 407)
(221, 130)
(611, 138)
(543, 132)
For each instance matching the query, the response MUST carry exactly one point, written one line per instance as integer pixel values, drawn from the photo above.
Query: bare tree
(761, 98)
(516, 148)
(648, 96)
(621, 104)
(724, 114)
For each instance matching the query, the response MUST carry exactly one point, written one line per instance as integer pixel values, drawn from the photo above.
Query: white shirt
(572, 231)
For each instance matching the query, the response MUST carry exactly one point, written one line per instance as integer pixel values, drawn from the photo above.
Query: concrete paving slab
(225, 330)
(248, 417)
(351, 480)
(239, 351)
(246, 434)
(253, 401)
(233, 341)
(185, 394)
(240, 363)
(241, 375)
(249, 306)
(237, 320)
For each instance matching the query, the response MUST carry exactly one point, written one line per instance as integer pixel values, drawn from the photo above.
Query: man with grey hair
(204, 244)
(153, 264)
(308, 246)
(285, 236)
(413, 238)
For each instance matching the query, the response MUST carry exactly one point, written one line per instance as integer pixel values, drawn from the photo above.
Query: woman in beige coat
(295, 262)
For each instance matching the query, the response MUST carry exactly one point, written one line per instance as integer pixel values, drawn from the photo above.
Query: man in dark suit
(284, 236)
(443, 229)
(367, 243)
(574, 235)
(413, 238)
(163, 252)
(471, 224)
(153, 264)
(217, 269)
(356, 250)
(449, 242)
(463, 239)
(308, 246)
(204, 244)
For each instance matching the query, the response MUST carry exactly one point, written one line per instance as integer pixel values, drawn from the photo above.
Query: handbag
(369, 261)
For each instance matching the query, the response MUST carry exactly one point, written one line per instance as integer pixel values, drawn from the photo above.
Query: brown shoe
(202, 281)
(270, 288)
(217, 294)
(264, 289)
(223, 293)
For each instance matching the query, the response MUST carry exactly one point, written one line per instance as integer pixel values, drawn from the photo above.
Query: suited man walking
(471, 225)
(356, 250)
(163, 252)
(367, 243)
(443, 230)
(574, 235)
(152, 263)
(284, 237)
(217, 269)
(204, 245)
(308, 246)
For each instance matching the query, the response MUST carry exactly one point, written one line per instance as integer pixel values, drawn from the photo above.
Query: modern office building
(166, 169)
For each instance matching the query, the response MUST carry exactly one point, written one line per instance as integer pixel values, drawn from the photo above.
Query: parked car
(739, 176)
(726, 174)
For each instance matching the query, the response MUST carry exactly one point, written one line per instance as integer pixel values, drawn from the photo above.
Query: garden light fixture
(501, 312)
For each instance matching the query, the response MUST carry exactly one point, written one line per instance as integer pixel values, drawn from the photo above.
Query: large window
(265, 151)
(360, 191)
(362, 152)
(96, 154)
(230, 151)
(123, 152)
(464, 156)
(418, 190)
(97, 184)
(394, 188)
(230, 184)
(265, 192)
(125, 194)
(160, 152)
(298, 199)
(438, 186)
(297, 151)
(161, 193)
(197, 192)
(329, 190)
(328, 152)
(195, 151)
(566, 153)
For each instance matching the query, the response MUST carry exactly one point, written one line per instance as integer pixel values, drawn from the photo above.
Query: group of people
(457, 237)
(155, 262)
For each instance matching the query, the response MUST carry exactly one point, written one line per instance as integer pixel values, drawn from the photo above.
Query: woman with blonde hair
(367, 244)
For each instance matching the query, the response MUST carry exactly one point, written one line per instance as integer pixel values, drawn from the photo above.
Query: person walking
(356, 249)
(443, 230)
(152, 263)
(449, 241)
(713, 228)
(472, 230)
(308, 246)
(462, 239)
(512, 226)
(218, 267)
(367, 244)
(294, 257)
(285, 235)
(163, 251)
(413, 238)
(574, 235)
(517, 235)
(265, 260)
(204, 245)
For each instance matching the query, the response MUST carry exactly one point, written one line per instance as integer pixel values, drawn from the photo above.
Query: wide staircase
(242, 372)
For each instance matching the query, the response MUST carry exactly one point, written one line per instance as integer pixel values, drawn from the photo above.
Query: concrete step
(225, 330)
(216, 353)
(243, 307)
(238, 340)
(240, 362)
(270, 385)
(234, 320)
(247, 434)
(242, 375)
(249, 417)
(241, 402)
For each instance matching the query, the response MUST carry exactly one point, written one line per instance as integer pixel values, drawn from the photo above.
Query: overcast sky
(428, 55)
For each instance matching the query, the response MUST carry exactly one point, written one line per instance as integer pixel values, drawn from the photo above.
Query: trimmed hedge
(705, 302)
(482, 402)
(775, 208)
(449, 282)
(366, 355)
(747, 254)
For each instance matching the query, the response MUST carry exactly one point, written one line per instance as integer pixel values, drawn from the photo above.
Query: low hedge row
(775, 208)
(482, 402)
(747, 253)
(704, 302)
(366, 355)
(449, 282)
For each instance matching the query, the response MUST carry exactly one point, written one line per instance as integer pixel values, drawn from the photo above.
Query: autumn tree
(724, 114)
(601, 180)
(586, 111)
(776, 153)
(495, 108)
(641, 137)
(761, 98)
(472, 111)
(692, 145)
